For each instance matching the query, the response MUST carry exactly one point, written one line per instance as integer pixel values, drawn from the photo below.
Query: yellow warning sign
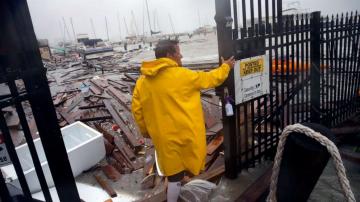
(251, 66)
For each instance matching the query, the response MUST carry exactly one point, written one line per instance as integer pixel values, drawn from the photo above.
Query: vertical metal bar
(4, 192)
(315, 67)
(267, 27)
(29, 140)
(283, 79)
(348, 67)
(236, 26)
(322, 73)
(271, 93)
(252, 14)
(332, 71)
(341, 69)
(335, 68)
(303, 101)
(344, 68)
(261, 32)
(293, 101)
(297, 30)
(239, 141)
(13, 156)
(246, 122)
(287, 79)
(307, 56)
(224, 36)
(244, 14)
(327, 70)
(279, 14)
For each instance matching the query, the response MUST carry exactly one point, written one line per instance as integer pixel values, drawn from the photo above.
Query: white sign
(251, 78)
(4, 156)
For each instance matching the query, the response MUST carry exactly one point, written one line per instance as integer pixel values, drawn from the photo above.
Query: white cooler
(84, 146)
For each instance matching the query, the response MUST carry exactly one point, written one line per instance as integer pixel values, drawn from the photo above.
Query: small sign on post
(4, 156)
(251, 78)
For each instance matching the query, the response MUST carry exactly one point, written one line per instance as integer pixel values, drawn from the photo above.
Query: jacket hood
(151, 68)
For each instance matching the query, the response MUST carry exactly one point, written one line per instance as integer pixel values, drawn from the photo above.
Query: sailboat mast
(199, 17)
(66, 29)
(171, 23)
(72, 26)
(136, 27)
(147, 8)
(107, 30)
(119, 25)
(92, 27)
(127, 30)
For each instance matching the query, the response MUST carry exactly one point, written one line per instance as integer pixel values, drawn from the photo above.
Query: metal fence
(20, 61)
(314, 70)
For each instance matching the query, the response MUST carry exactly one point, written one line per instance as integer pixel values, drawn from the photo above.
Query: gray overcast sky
(47, 14)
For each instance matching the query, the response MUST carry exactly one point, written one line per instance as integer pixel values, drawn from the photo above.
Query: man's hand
(230, 61)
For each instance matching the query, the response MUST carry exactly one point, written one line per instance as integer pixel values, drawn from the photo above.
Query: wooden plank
(95, 90)
(123, 100)
(210, 158)
(105, 186)
(111, 172)
(256, 189)
(124, 148)
(97, 83)
(99, 118)
(214, 144)
(131, 77)
(121, 159)
(117, 165)
(67, 117)
(92, 106)
(109, 148)
(217, 163)
(108, 136)
(76, 101)
(60, 98)
(211, 175)
(122, 88)
(126, 131)
(215, 129)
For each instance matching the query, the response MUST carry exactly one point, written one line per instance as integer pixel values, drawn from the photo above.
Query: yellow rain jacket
(166, 106)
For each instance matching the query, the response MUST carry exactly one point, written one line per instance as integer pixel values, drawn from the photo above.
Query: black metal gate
(20, 61)
(314, 70)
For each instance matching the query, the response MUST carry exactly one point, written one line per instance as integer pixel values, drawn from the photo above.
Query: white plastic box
(85, 148)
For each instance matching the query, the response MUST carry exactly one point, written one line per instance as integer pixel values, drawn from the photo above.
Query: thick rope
(332, 149)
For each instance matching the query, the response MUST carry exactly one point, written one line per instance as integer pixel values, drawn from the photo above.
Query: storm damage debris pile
(98, 93)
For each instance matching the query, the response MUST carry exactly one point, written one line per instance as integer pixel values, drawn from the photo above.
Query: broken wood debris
(107, 103)
(105, 186)
(111, 172)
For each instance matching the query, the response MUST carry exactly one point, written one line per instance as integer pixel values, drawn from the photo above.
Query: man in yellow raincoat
(167, 108)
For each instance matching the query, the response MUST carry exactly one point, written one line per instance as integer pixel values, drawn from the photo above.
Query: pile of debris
(102, 100)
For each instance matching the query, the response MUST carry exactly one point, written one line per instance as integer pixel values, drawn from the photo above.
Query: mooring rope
(332, 149)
